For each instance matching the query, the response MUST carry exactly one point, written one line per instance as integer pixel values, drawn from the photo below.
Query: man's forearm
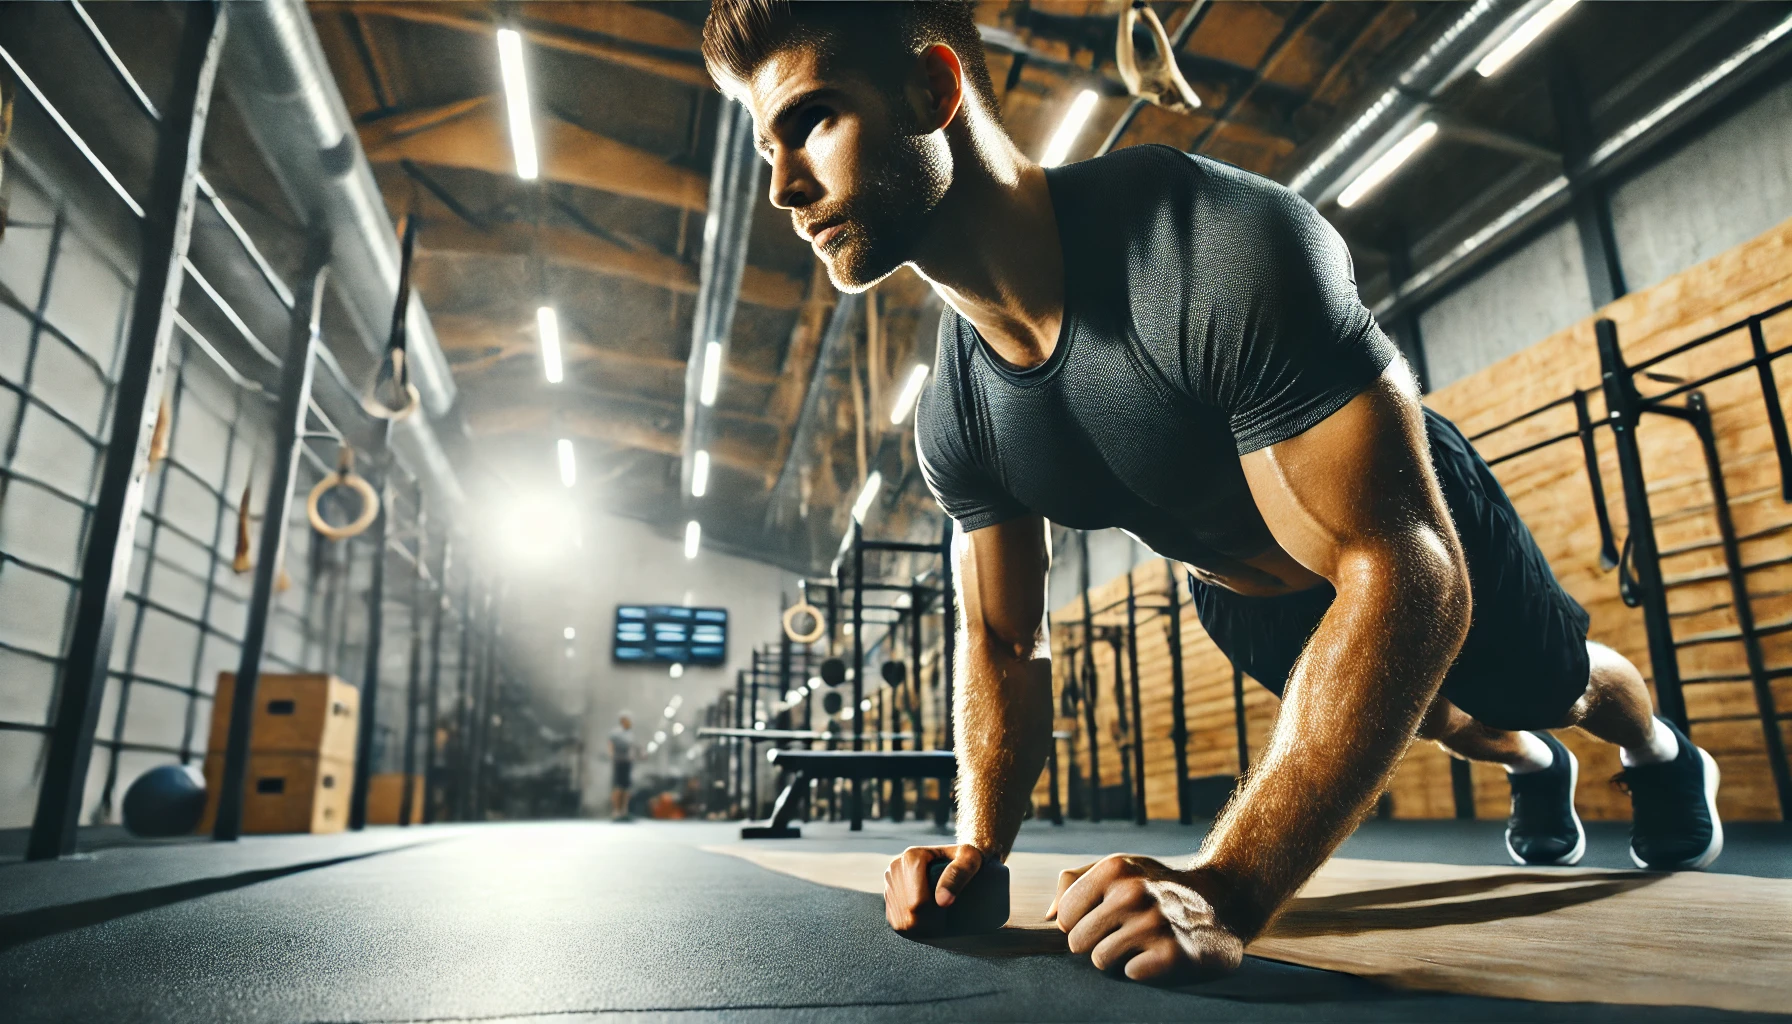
(1004, 725)
(1350, 710)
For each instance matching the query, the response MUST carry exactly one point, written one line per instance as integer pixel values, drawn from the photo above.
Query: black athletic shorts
(619, 774)
(1524, 663)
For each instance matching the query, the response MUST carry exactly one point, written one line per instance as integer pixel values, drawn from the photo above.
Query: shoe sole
(1703, 860)
(1572, 857)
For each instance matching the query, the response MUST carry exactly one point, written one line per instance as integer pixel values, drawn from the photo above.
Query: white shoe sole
(1572, 857)
(1703, 860)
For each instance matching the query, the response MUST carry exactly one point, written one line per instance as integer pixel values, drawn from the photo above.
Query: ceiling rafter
(482, 342)
(624, 431)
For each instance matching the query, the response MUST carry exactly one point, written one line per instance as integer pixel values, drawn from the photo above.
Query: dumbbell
(981, 906)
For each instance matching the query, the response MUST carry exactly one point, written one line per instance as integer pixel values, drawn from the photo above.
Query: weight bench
(804, 765)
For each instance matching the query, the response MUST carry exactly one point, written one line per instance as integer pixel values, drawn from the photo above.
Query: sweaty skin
(928, 179)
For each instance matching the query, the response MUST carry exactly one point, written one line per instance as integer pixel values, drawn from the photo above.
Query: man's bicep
(1359, 482)
(1002, 577)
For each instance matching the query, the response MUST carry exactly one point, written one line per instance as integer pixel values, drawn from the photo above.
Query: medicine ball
(833, 671)
(831, 702)
(895, 672)
(165, 801)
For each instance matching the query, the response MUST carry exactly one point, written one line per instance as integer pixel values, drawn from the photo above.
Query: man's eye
(810, 119)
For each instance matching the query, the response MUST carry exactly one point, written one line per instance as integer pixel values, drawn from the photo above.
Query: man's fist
(1142, 916)
(907, 890)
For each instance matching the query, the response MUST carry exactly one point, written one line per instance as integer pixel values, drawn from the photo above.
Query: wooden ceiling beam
(623, 431)
(474, 344)
(473, 135)
(629, 36)
(758, 286)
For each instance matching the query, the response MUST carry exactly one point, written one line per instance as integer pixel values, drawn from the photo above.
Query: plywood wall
(1551, 491)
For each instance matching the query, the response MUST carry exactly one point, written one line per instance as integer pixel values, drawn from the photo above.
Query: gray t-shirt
(1208, 312)
(622, 744)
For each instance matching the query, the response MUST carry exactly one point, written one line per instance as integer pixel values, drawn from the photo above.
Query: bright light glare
(1386, 164)
(569, 471)
(867, 494)
(536, 530)
(693, 536)
(569, 632)
(659, 736)
(712, 373)
(865, 705)
(700, 474)
(677, 670)
(1522, 37)
(911, 393)
(1074, 120)
(516, 101)
(678, 728)
(547, 324)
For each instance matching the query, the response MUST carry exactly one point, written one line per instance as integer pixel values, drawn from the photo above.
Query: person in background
(622, 760)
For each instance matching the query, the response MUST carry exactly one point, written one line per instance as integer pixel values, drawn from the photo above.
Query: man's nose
(791, 186)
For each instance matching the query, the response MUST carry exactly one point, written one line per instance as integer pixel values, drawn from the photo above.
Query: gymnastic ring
(379, 410)
(370, 505)
(804, 638)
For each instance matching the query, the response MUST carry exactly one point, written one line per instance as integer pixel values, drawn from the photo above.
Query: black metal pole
(1776, 417)
(1089, 686)
(1139, 815)
(1608, 547)
(166, 227)
(289, 433)
(1239, 723)
(488, 698)
(740, 746)
(434, 781)
(431, 778)
(752, 746)
(414, 679)
(1624, 407)
(1744, 609)
(858, 665)
(1185, 812)
(1125, 736)
(370, 671)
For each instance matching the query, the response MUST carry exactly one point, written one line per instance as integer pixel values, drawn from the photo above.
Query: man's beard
(884, 222)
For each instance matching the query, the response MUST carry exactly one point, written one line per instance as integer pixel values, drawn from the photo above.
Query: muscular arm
(1003, 703)
(1354, 500)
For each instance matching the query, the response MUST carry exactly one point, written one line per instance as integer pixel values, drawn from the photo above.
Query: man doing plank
(1175, 347)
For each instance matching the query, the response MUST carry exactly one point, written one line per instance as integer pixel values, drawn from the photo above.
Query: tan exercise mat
(1558, 935)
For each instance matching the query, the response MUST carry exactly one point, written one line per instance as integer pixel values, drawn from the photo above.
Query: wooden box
(385, 798)
(286, 793)
(294, 714)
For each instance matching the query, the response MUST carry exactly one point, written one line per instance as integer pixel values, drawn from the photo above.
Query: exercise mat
(1555, 935)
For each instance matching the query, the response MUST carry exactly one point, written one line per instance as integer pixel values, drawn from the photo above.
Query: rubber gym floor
(620, 922)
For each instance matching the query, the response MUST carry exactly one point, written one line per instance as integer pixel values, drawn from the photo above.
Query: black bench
(804, 765)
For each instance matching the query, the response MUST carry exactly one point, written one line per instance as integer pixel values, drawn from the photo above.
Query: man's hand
(1146, 918)
(907, 891)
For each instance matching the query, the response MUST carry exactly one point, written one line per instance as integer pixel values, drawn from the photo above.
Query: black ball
(832, 702)
(895, 672)
(165, 801)
(833, 671)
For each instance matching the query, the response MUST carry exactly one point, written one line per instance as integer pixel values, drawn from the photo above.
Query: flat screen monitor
(649, 634)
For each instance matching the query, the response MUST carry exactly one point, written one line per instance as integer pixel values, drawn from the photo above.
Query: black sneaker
(1543, 828)
(1674, 823)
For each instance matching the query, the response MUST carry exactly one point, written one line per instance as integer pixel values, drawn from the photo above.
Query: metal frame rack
(132, 540)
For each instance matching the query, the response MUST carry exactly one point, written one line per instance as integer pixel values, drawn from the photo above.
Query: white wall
(1724, 188)
(1507, 306)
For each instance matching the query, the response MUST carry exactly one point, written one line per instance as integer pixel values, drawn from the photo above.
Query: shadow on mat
(31, 925)
(1373, 910)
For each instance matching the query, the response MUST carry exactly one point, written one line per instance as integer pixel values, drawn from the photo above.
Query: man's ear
(939, 93)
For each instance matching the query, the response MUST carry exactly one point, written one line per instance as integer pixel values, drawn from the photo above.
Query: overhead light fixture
(569, 471)
(1386, 164)
(1522, 37)
(911, 393)
(677, 670)
(867, 493)
(1065, 136)
(693, 536)
(569, 632)
(547, 324)
(516, 101)
(700, 474)
(712, 373)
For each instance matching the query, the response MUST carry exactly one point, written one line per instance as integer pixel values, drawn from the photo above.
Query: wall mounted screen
(664, 633)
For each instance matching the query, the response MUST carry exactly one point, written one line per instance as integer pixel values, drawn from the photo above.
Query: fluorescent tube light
(712, 373)
(1522, 37)
(569, 632)
(693, 537)
(1386, 164)
(516, 101)
(911, 393)
(547, 324)
(867, 493)
(1074, 120)
(569, 473)
(700, 474)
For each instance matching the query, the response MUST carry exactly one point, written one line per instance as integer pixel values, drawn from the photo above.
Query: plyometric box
(301, 753)
(286, 793)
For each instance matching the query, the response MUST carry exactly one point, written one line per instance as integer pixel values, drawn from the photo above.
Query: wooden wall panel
(1551, 491)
